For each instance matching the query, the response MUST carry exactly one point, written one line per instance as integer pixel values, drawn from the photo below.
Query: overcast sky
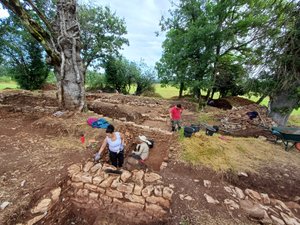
(142, 20)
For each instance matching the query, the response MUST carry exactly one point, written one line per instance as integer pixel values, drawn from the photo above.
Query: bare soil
(37, 147)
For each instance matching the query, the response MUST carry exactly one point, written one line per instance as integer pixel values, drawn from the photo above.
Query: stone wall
(137, 195)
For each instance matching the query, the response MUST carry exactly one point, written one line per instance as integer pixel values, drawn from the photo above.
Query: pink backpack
(91, 120)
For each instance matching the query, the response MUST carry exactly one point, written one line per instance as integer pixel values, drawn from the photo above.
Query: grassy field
(167, 93)
(223, 153)
(7, 82)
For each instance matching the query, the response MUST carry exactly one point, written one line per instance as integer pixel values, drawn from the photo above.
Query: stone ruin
(137, 196)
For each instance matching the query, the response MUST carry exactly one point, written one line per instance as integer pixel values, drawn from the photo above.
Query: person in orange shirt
(175, 116)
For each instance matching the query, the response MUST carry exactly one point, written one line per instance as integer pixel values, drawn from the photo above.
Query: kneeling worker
(142, 149)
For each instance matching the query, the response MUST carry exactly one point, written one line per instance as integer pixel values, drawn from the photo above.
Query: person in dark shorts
(116, 143)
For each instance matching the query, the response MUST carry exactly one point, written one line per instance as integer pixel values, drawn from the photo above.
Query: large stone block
(151, 177)
(125, 175)
(73, 169)
(105, 199)
(82, 193)
(135, 198)
(86, 178)
(127, 188)
(116, 183)
(88, 166)
(107, 182)
(35, 219)
(77, 185)
(133, 206)
(101, 190)
(158, 190)
(97, 180)
(96, 167)
(113, 193)
(55, 193)
(42, 206)
(137, 176)
(167, 193)
(265, 199)
(91, 187)
(138, 189)
(93, 196)
(253, 194)
(77, 177)
(158, 200)
(147, 191)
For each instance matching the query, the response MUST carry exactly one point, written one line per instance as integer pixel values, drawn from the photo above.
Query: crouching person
(141, 151)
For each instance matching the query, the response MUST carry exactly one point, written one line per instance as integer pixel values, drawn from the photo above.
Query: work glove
(97, 156)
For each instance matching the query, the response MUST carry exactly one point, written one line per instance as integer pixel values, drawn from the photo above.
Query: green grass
(10, 84)
(166, 92)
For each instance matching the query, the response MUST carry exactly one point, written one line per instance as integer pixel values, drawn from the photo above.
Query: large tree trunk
(281, 106)
(70, 72)
(181, 87)
(61, 41)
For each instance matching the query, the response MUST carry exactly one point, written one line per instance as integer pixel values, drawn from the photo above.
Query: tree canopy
(216, 45)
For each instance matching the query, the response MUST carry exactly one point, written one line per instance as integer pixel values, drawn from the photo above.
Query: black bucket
(195, 127)
(210, 131)
(188, 131)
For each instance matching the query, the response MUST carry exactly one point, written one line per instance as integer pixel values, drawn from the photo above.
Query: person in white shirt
(116, 143)
(142, 149)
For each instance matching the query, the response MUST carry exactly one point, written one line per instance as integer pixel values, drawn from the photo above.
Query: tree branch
(41, 15)
(41, 35)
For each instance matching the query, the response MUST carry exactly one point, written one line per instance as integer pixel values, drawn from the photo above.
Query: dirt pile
(239, 121)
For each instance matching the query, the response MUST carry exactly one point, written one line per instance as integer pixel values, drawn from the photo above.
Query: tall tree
(61, 41)
(22, 54)
(210, 30)
(102, 34)
(282, 60)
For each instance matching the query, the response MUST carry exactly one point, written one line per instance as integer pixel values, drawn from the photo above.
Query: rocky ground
(37, 147)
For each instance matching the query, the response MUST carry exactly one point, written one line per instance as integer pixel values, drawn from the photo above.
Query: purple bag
(91, 120)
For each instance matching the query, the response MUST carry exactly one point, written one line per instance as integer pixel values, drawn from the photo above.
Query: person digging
(141, 151)
(116, 143)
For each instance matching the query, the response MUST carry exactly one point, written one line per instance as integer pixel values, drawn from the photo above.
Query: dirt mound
(25, 98)
(49, 87)
(238, 101)
(220, 103)
(229, 102)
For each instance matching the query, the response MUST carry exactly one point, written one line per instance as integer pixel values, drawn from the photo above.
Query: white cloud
(142, 20)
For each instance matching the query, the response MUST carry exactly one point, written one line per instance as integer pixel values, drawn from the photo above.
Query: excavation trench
(86, 194)
(93, 196)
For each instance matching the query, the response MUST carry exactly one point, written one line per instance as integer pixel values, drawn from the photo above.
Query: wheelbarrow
(287, 135)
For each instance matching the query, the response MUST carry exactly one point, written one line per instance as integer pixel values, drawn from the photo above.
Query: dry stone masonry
(136, 195)
(260, 207)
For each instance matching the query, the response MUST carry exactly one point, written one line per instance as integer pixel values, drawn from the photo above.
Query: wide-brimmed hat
(144, 139)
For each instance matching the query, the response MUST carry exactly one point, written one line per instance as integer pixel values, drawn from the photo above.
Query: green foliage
(95, 80)
(32, 71)
(102, 34)
(24, 57)
(145, 80)
(120, 74)
(202, 38)
(51, 79)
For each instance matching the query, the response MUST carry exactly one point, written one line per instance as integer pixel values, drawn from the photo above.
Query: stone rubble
(260, 207)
